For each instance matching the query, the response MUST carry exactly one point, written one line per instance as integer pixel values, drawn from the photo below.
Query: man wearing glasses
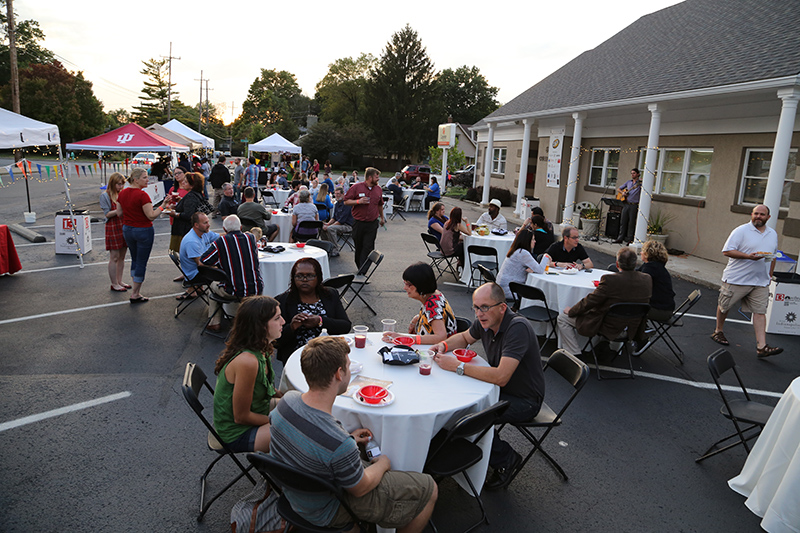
(515, 366)
(568, 251)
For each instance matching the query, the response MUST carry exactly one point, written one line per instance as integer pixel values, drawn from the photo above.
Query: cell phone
(587, 269)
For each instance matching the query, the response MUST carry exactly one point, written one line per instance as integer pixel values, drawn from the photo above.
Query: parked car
(467, 171)
(410, 173)
(144, 159)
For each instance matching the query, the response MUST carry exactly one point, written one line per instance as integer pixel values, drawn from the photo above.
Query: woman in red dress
(115, 243)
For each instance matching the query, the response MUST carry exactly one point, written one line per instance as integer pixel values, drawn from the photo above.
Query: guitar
(622, 195)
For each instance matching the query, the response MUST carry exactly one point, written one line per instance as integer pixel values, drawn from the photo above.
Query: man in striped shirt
(236, 254)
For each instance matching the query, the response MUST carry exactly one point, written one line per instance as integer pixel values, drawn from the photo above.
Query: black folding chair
(737, 411)
(398, 210)
(462, 324)
(328, 246)
(281, 476)
(661, 329)
(194, 379)
(576, 373)
(453, 451)
(216, 274)
(320, 209)
(248, 224)
(268, 197)
(315, 225)
(361, 279)
(632, 314)
(198, 285)
(439, 261)
(340, 284)
(474, 251)
(534, 313)
(486, 274)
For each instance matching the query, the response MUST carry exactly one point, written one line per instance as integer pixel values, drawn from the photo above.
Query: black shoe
(617, 241)
(502, 476)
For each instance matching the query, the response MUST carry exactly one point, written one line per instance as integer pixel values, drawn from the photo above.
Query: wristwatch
(460, 369)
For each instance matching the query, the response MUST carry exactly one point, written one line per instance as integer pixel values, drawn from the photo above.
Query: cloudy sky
(514, 44)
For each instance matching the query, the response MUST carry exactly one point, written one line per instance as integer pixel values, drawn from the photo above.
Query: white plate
(348, 340)
(569, 271)
(389, 400)
(355, 367)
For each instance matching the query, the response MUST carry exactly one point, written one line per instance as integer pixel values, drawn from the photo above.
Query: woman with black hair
(519, 262)
(436, 320)
(245, 378)
(452, 241)
(308, 307)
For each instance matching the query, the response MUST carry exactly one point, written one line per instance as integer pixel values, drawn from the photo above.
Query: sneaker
(767, 351)
(502, 476)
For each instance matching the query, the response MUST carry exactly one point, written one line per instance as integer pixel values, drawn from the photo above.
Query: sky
(514, 44)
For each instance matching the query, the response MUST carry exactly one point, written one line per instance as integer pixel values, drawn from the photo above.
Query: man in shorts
(305, 435)
(746, 277)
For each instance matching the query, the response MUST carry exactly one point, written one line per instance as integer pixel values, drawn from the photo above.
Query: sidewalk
(687, 267)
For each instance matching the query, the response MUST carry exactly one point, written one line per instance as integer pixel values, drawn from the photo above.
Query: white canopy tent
(275, 143)
(174, 136)
(178, 127)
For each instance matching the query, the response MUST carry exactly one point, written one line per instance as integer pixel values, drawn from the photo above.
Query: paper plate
(355, 367)
(389, 400)
(569, 271)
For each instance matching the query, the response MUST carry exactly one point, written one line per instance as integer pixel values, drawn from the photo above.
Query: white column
(649, 177)
(443, 184)
(487, 167)
(523, 165)
(574, 161)
(780, 153)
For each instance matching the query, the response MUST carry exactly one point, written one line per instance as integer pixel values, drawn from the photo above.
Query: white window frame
(605, 168)
(745, 177)
(499, 160)
(684, 170)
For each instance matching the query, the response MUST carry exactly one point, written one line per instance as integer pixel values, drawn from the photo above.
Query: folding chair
(310, 225)
(345, 238)
(534, 313)
(325, 245)
(268, 197)
(437, 257)
(612, 267)
(248, 224)
(213, 274)
(462, 324)
(361, 279)
(482, 251)
(194, 379)
(661, 329)
(745, 411)
(337, 283)
(417, 199)
(281, 476)
(398, 209)
(198, 284)
(486, 274)
(453, 452)
(632, 313)
(320, 209)
(576, 373)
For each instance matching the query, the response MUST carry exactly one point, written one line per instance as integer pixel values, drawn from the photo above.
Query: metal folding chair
(632, 313)
(268, 197)
(535, 313)
(198, 284)
(437, 257)
(361, 279)
(661, 329)
(475, 250)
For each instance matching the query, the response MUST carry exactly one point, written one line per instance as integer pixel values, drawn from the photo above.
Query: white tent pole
(69, 204)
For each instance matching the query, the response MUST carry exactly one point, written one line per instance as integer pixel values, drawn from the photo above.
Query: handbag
(257, 512)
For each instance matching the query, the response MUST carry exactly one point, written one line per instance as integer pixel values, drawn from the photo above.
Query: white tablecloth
(423, 405)
(280, 196)
(770, 478)
(276, 269)
(501, 243)
(284, 222)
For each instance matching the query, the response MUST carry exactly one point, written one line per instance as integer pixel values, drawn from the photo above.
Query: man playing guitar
(629, 192)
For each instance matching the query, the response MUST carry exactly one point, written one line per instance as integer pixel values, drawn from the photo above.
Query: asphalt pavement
(130, 459)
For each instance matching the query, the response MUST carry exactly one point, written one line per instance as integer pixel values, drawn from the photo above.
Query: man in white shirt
(492, 218)
(747, 276)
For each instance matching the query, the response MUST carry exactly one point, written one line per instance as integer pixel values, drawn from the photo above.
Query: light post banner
(554, 158)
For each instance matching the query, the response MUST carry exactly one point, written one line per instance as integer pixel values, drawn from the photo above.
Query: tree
(466, 94)
(52, 94)
(341, 91)
(29, 52)
(455, 158)
(156, 93)
(321, 140)
(116, 118)
(269, 103)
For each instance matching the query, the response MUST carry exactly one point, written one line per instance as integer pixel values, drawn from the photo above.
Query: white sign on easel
(554, 158)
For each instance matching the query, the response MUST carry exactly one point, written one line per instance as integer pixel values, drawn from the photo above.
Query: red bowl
(373, 393)
(464, 355)
(275, 211)
(300, 244)
(596, 283)
(404, 341)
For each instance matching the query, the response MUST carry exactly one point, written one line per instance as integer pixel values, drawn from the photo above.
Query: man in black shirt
(228, 205)
(219, 175)
(568, 251)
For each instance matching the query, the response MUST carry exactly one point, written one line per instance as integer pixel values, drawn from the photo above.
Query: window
(681, 172)
(604, 167)
(756, 172)
(499, 161)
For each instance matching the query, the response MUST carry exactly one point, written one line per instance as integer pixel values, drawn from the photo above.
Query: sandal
(140, 300)
(126, 285)
(719, 338)
(767, 351)
(186, 296)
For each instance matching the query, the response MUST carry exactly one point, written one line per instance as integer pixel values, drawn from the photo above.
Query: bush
(462, 180)
(504, 195)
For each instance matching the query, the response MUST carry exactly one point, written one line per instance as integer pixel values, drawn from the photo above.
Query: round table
(280, 196)
(284, 223)
(501, 243)
(423, 405)
(276, 269)
(770, 478)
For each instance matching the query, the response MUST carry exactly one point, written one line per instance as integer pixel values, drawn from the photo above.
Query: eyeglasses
(576, 237)
(484, 308)
(305, 277)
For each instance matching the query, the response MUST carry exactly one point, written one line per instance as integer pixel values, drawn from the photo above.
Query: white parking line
(62, 411)
(104, 263)
(79, 309)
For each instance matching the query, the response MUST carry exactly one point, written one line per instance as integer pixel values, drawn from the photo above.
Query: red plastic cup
(361, 341)
(596, 282)
(300, 245)
(425, 369)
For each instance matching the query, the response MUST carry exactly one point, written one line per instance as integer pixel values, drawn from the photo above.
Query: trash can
(784, 263)
(527, 205)
(67, 240)
(783, 310)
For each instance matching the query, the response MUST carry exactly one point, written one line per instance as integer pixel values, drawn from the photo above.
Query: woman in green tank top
(245, 379)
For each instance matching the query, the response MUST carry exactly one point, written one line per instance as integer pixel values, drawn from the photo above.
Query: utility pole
(208, 109)
(12, 57)
(200, 104)
(169, 83)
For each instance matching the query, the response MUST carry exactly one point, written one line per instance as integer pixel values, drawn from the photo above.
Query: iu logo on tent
(124, 138)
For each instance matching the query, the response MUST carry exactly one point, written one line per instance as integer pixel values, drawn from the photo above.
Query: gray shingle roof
(692, 45)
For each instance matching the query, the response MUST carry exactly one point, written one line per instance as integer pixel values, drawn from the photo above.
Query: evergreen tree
(155, 93)
(466, 94)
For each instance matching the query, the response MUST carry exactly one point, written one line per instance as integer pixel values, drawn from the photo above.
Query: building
(702, 96)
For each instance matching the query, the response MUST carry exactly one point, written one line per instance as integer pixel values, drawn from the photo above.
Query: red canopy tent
(129, 138)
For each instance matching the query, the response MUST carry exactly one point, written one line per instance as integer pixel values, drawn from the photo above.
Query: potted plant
(657, 226)
(590, 220)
